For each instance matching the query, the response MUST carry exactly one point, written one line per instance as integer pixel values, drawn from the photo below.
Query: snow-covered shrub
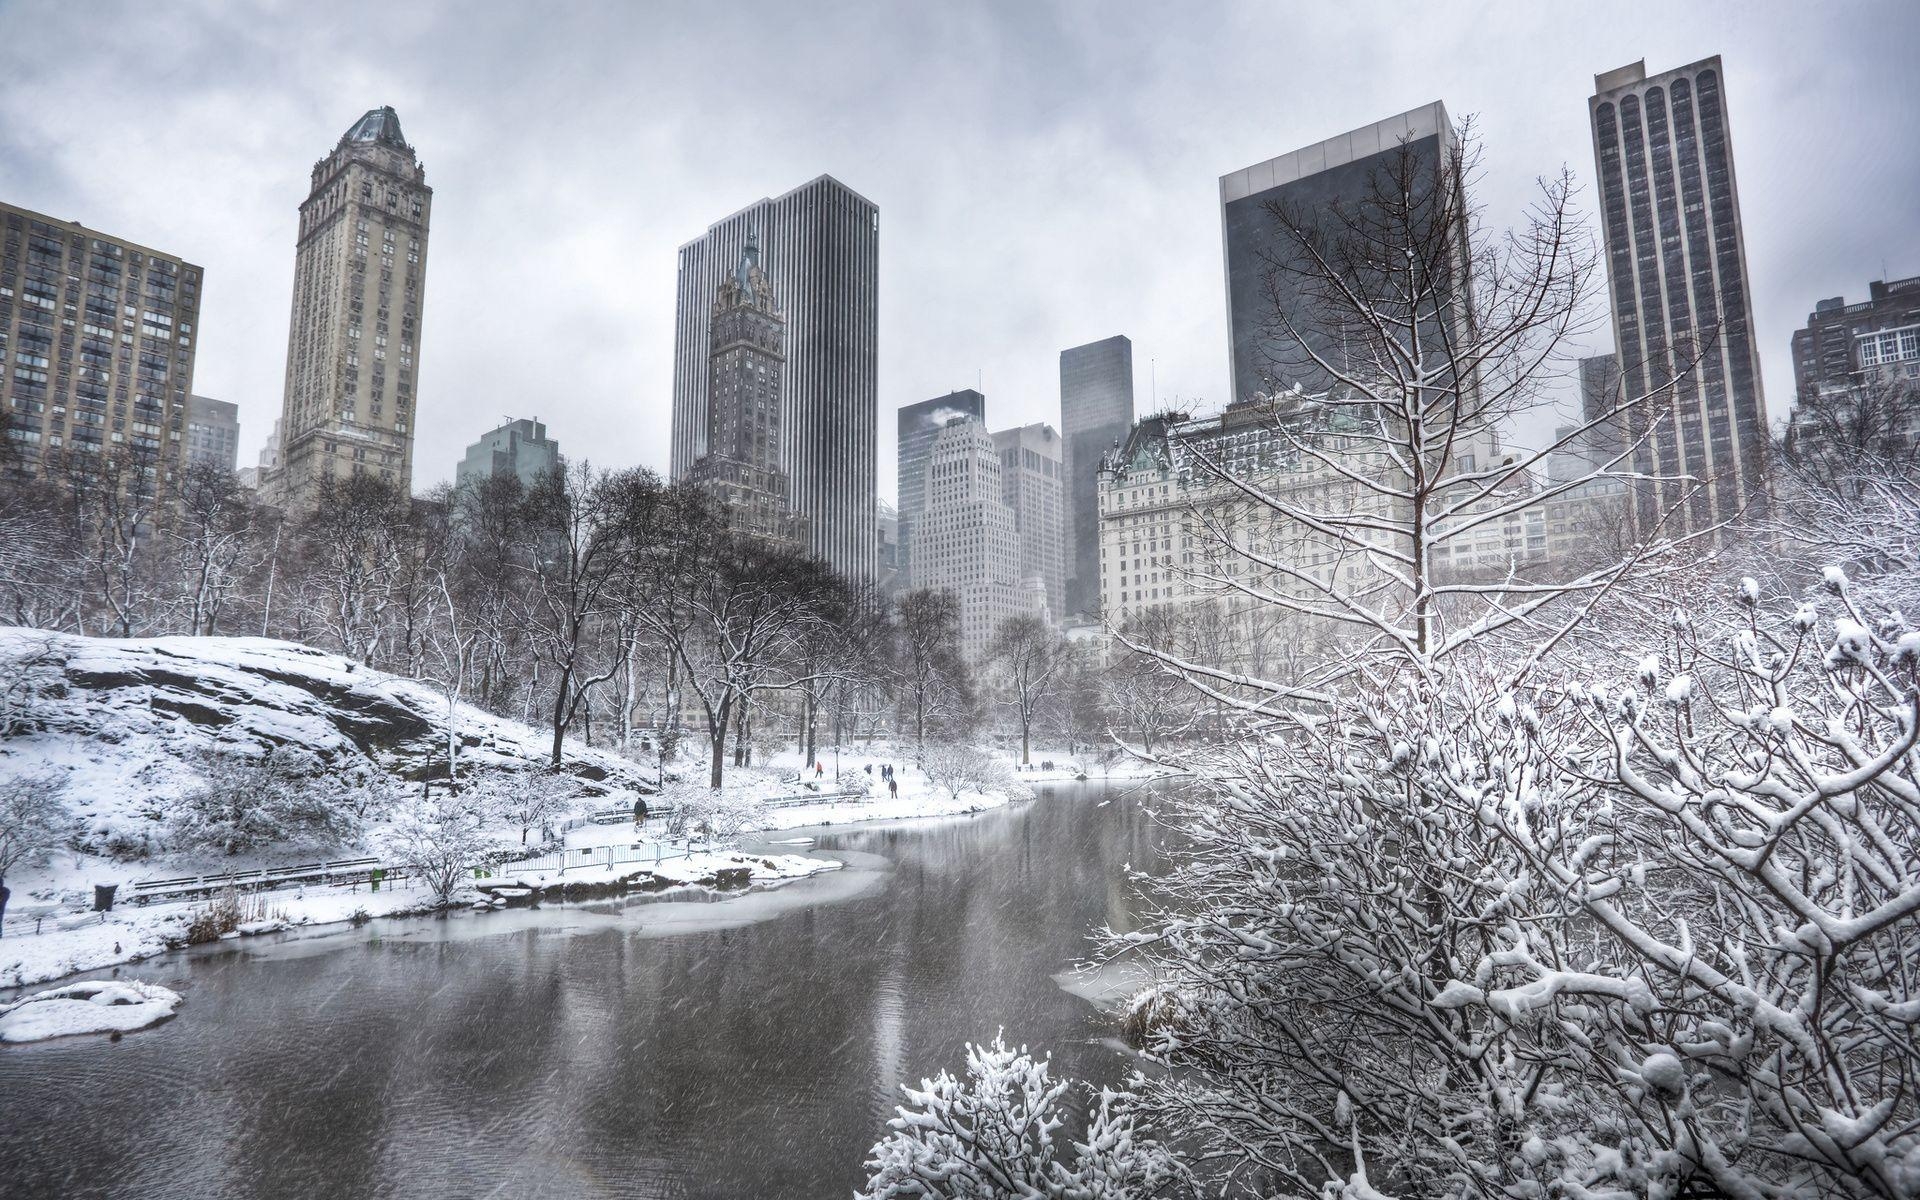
(1000, 1133)
(701, 812)
(278, 800)
(527, 799)
(959, 768)
(226, 912)
(438, 841)
(1600, 937)
(33, 819)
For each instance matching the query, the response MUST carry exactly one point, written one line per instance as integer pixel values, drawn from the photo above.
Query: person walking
(893, 788)
(639, 811)
(819, 769)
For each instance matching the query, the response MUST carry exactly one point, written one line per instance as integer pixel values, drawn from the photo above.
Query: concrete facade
(1033, 481)
(1679, 290)
(213, 432)
(966, 542)
(353, 342)
(917, 425)
(98, 337)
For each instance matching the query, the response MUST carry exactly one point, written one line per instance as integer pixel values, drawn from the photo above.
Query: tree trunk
(717, 734)
(560, 712)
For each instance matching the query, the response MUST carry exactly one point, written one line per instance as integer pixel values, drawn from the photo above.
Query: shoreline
(98, 942)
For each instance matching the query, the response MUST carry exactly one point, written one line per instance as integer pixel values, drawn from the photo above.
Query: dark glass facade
(1096, 414)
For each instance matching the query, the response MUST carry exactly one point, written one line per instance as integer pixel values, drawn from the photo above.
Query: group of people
(887, 777)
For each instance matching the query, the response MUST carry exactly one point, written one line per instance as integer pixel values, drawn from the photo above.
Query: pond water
(749, 1048)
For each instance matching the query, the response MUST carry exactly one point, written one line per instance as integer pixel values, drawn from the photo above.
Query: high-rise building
(966, 542)
(1096, 413)
(1682, 317)
(820, 251)
(353, 343)
(213, 432)
(1856, 373)
(1308, 185)
(746, 347)
(1033, 484)
(97, 334)
(520, 448)
(918, 425)
(1873, 340)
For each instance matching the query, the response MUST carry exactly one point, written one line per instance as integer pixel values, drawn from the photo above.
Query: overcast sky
(1046, 173)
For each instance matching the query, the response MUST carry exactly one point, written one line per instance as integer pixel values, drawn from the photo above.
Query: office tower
(918, 425)
(1096, 412)
(1033, 484)
(213, 432)
(746, 347)
(520, 448)
(965, 542)
(1682, 319)
(1308, 184)
(98, 336)
(819, 248)
(353, 342)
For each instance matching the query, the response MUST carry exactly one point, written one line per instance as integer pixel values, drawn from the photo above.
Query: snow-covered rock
(97, 1006)
(130, 719)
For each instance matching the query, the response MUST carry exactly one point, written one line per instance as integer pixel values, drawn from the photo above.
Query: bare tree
(935, 688)
(33, 820)
(1032, 659)
(581, 545)
(213, 543)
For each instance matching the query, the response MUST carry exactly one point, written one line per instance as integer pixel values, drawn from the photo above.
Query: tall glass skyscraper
(1096, 413)
(1682, 316)
(819, 247)
(1259, 254)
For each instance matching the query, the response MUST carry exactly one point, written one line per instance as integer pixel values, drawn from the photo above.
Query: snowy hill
(130, 719)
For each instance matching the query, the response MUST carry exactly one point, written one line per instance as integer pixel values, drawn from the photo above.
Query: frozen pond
(751, 1048)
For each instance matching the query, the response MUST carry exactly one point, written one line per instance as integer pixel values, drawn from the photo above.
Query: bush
(438, 841)
(227, 912)
(276, 800)
(965, 769)
(701, 812)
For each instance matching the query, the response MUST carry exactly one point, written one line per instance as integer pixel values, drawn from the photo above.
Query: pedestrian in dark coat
(639, 811)
(893, 788)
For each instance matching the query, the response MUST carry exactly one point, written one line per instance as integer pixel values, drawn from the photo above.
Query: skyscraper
(1682, 318)
(99, 334)
(1308, 184)
(819, 249)
(918, 425)
(966, 543)
(1033, 483)
(746, 345)
(213, 432)
(1096, 411)
(353, 342)
(521, 448)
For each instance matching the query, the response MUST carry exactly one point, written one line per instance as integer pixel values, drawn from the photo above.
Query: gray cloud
(1045, 173)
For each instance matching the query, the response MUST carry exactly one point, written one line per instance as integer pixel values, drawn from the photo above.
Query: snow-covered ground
(49, 935)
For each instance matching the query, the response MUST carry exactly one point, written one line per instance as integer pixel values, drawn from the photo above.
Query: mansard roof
(379, 125)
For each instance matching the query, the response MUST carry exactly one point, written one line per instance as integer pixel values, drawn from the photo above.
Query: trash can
(103, 896)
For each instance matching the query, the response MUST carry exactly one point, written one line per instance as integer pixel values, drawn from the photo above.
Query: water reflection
(665, 1050)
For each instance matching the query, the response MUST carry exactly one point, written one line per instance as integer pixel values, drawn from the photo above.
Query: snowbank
(97, 1006)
